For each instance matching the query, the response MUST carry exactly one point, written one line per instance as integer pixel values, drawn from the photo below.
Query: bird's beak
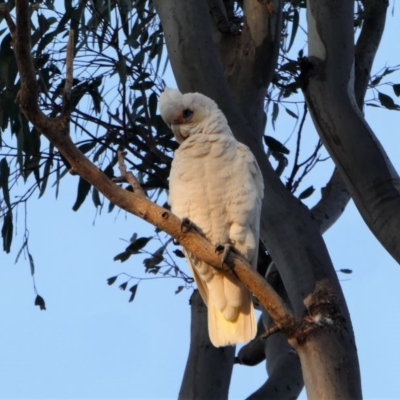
(178, 120)
(176, 128)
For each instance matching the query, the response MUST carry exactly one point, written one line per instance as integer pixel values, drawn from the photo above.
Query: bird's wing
(244, 208)
(216, 183)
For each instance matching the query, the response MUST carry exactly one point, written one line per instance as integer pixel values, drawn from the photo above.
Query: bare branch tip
(127, 176)
(69, 75)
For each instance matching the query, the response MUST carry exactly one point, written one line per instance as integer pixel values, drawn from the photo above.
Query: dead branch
(128, 176)
(66, 112)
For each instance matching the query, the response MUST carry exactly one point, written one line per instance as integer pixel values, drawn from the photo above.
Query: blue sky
(92, 343)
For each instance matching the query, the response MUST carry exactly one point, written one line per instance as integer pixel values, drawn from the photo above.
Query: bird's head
(190, 114)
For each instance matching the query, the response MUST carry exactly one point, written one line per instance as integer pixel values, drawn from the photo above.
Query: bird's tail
(236, 323)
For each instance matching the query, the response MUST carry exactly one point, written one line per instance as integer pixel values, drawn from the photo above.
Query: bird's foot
(187, 225)
(224, 250)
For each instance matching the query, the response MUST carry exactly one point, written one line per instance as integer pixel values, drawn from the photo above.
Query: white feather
(216, 183)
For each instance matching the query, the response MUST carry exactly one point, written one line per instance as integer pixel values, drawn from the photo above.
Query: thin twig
(127, 176)
(296, 166)
(69, 76)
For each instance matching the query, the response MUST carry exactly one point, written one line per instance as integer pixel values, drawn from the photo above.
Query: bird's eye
(187, 113)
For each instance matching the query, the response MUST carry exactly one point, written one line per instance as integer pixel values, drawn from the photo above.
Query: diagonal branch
(56, 131)
(367, 45)
(369, 175)
(334, 199)
(69, 76)
(335, 195)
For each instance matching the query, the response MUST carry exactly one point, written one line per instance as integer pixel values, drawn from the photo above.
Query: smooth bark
(328, 87)
(287, 230)
(335, 195)
(324, 340)
(334, 199)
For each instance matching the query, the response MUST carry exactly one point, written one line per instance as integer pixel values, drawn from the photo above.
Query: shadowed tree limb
(328, 87)
(317, 284)
(66, 111)
(285, 380)
(250, 68)
(335, 195)
(367, 45)
(334, 199)
(201, 353)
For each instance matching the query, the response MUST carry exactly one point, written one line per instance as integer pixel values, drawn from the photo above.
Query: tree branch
(252, 67)
(335, 195)
(128, 176)
(283, 365)
(369, 175)
(285, 380)
(334, 199)
(6, 14)
(56, 132)
(368, 44)
(66, 111)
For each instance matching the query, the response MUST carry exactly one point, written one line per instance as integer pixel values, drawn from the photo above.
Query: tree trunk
(198, 383)
(324, 339)
(287, 230)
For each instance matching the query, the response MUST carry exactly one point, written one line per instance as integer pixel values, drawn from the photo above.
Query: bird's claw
(187, 225)
(224, 249)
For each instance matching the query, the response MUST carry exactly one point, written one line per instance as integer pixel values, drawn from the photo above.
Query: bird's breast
(201, 183)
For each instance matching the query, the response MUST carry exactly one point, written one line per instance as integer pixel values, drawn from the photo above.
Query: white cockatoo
(216, 183)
